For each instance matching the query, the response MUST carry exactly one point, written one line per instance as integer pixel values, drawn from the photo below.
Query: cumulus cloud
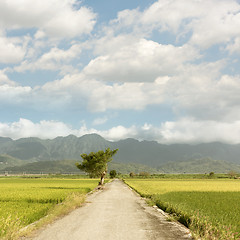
(54, 18)
(102, 96)
(185, 130)
(26, 128)
(55, 59)
(43, 129)
(189, 130)
(4, 80)
(13, 94)
(207, 22)
(125, 96)
(198, 91)
(234, 47)
(208, 99)
(128, 69)
(11, 52)
(51, 129)
(140, 61)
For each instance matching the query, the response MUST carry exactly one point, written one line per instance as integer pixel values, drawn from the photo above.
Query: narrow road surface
(116, 213)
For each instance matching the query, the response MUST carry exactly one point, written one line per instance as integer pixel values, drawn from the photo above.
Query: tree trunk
(102, 178)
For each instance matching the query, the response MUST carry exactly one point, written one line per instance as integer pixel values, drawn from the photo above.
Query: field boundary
(148, 200)
(50, 218)
(200, 227)
(71, 195)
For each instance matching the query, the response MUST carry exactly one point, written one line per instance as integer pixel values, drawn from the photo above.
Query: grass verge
(200, 225)
(13, 231)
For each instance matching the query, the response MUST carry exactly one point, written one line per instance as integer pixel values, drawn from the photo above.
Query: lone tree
(95, 164)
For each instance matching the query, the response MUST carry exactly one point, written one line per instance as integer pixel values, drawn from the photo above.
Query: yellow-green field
(211, 208)
(26, 200)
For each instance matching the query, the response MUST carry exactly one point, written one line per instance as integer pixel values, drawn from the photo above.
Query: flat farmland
(26, 200)
(209, 207)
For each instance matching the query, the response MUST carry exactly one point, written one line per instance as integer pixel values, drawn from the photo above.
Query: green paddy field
(209, 207)
(26, 200)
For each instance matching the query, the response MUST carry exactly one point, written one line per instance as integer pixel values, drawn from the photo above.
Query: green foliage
(113, 173)
(211, 174)
(233, 174)
(132, 174)
(144, 174)
(95, 163)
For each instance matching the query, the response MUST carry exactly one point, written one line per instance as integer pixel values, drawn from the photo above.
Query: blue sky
(166, 70)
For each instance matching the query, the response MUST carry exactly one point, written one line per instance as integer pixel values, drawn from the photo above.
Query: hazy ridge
(59, 155)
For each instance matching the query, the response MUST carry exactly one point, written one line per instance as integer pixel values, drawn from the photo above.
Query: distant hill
(7, 161)
(69, 147)
(204, 165)
(27, 153)
(68, 167)
(60, 166)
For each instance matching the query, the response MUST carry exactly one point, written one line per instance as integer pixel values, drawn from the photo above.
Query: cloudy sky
(166, 70)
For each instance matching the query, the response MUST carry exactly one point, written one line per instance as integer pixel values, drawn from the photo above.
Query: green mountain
(9, 161)
(204, 165)
(126, 168)
(133, 155)
(68, 167)
(60, 166)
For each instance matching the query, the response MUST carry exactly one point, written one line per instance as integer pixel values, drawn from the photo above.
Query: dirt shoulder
(116, 212)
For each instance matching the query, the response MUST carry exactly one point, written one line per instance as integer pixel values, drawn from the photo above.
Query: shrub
(113, 173)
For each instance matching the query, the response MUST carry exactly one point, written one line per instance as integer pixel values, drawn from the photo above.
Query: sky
(165, 71)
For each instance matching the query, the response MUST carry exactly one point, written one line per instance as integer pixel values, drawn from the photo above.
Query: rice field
(209, 207)
(26, 200)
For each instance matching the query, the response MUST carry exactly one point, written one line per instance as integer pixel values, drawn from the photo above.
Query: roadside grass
(38, 201)
(72, 202)
(209, 208)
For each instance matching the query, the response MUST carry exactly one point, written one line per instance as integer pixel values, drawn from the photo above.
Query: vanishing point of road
(115, 213)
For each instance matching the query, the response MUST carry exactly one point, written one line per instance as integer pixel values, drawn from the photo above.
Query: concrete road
(115, 213)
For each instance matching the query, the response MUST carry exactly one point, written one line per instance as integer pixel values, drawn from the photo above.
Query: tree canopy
(113, 173)
(95, 163)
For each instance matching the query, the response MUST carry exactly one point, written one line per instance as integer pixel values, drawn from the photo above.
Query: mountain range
(60, 154)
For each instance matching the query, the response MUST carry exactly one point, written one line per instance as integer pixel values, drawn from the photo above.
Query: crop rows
(208, 207)
(23, 201)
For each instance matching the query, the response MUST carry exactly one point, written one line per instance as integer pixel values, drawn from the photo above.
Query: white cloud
(206, 98)
(119, 132)
(99, 96)
(4, 80)
(141, 61)
(53, 17)
(194, 131)
(207, 22)
(125, 96)
(14, 94)
(186, 130)
(10, 51)
(51, 129)
(43, 129)
(55, 59)
(26, 128)
(234, 47)
(198, 91)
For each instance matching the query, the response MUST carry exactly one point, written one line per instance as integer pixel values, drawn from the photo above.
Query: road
(115, 213)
